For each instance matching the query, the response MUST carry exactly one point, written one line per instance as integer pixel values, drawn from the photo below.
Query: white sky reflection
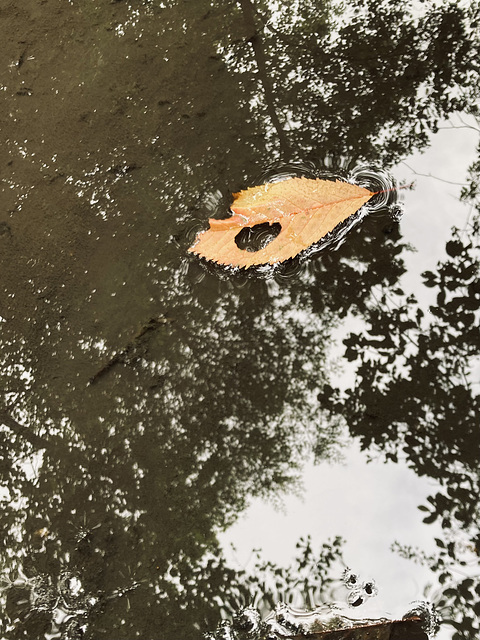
(372, 505)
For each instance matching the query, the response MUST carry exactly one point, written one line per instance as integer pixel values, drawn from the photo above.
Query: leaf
(307, 209)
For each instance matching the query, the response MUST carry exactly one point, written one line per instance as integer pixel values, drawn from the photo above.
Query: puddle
(147, 399)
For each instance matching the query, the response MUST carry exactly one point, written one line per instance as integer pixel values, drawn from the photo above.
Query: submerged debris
(326, 622)
(427, 614)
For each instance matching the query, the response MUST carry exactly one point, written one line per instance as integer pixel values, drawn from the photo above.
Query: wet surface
(146, 396)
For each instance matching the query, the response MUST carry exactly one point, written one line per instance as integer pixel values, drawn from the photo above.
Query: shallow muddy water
(149, 397)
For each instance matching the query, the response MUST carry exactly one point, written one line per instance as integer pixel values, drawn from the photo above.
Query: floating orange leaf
(307, 209)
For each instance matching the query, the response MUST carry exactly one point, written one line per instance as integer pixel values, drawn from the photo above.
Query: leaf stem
(402, 186)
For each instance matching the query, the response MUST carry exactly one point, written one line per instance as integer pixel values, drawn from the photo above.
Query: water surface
(147, 397)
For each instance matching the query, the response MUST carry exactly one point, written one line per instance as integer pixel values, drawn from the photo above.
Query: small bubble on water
(349, 578)
(356, 598)
(370, 588)
(396, 211)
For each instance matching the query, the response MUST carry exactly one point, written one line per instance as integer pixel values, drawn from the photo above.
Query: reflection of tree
(416, 396)
(383, 74)
(114, 490)
(181, 433)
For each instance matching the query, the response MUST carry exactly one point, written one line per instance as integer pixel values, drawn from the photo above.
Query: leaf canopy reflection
(113, 492)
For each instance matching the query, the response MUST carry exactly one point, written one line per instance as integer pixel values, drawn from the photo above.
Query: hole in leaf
(258, 237)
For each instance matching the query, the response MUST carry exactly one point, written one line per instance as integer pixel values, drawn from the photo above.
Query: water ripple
(386, 200)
